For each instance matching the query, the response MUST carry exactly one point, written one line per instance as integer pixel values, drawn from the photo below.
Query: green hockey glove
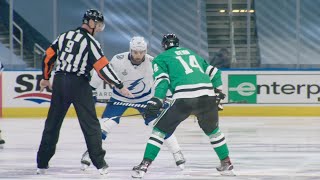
(153, 108)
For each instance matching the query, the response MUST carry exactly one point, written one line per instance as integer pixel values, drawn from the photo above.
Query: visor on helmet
(100, 26)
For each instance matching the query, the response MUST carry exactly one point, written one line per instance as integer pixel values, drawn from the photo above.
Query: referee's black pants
(69, 88)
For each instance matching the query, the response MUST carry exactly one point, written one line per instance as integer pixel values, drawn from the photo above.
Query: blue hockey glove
(153, 108)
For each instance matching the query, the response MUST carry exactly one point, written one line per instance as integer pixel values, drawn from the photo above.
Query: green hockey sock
(219, 144)
(154, 144)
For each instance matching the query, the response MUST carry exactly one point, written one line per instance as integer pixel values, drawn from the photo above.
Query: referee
(2, 142)
(75, 53)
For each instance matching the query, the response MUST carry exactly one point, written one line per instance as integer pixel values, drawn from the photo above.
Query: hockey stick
(118, 103)
(104, 101)
(137, 114)
(236, 102)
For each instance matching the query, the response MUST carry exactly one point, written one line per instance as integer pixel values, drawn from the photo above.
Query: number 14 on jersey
(193, 63)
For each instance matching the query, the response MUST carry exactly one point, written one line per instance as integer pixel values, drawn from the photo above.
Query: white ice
(268, 148)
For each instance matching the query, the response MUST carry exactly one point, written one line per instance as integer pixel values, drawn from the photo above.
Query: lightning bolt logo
(134, 84)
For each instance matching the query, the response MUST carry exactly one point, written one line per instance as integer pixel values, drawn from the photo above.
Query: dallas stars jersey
(137, 78)
(185, 73)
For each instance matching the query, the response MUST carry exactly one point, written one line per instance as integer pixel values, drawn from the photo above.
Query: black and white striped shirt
(1, 67)
(77, 51)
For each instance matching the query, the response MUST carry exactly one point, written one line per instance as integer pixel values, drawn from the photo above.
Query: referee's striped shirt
(77, 51)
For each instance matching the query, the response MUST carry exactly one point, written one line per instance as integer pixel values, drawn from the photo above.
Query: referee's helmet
(93, 14)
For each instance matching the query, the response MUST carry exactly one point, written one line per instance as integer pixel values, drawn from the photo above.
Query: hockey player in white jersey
(135, 69)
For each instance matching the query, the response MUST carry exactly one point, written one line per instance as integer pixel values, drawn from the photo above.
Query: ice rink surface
(268, 148)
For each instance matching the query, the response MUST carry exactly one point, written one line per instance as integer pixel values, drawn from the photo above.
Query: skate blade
(227, 173)
(84, 167)
(103, 172)
(41, 171)
(181, 166)
(137, 174)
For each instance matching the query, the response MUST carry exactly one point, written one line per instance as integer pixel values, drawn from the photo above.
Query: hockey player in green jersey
(192, 82)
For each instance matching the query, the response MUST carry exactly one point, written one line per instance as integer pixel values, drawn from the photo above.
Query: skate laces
(143, 166)
(225, 165)
(178, 156)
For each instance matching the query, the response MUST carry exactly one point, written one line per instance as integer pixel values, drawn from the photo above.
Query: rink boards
(263, 111)
(249, 93)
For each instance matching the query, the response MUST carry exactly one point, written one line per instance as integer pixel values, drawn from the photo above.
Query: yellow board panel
(228, 111)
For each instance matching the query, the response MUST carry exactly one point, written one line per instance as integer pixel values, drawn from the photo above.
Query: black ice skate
(141, 169)
(2, 142)
(103, 170)
(42, 170)
(85, 160)
(179, 158)
(226, 168)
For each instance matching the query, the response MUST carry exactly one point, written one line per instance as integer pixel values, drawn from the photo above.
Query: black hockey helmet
(93, 14)
(169, 41)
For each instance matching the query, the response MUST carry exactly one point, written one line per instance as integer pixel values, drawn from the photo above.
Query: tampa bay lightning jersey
(137, 78)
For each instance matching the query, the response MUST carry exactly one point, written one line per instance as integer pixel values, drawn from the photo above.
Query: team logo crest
(125, 72)
(137, 86)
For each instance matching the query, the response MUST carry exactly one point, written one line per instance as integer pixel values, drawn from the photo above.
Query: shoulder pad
(149, 57)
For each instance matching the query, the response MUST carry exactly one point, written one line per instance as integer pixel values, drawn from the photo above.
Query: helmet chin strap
(92, 28)
(93, 31)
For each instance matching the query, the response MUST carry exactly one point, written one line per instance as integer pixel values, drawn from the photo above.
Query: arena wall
(249, 93)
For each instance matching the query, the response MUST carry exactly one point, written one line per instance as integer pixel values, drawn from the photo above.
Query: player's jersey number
(188, 67)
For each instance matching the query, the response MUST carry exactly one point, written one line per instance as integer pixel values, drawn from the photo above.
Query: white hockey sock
(172, 144)
(107, 124)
